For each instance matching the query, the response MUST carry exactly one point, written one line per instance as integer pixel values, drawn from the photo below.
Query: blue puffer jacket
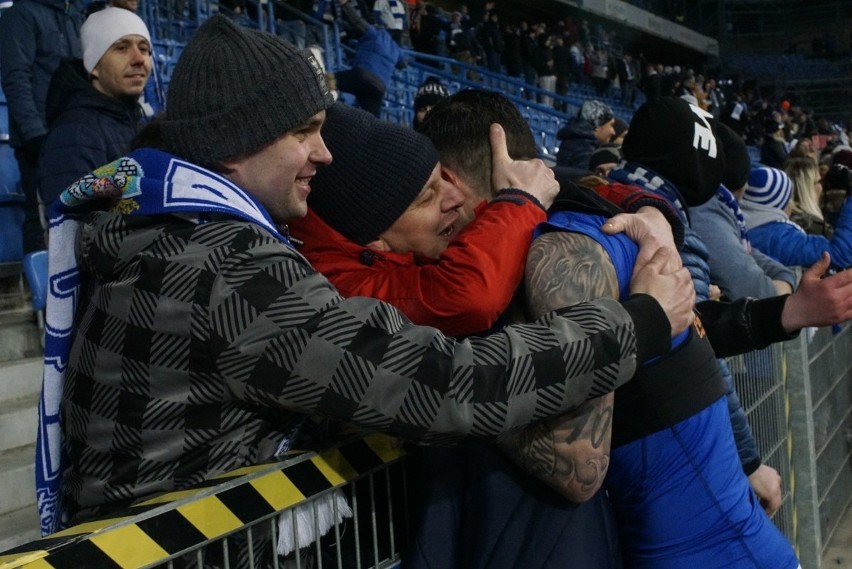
(695, 259)
(87, 129)
(34, 37)
(771, 232)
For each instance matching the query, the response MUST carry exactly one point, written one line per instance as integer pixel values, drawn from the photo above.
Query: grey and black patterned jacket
(197, 345)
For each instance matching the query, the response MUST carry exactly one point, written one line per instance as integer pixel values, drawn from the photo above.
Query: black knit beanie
(430, 92)
(737, 159)
(377, 171)
(678, 141)
(236, 90)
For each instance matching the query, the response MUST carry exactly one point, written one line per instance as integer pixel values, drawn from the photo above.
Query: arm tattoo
(570, 453)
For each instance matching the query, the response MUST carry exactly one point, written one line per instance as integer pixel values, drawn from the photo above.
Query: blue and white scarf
(146, 182)
(637, 175)
(725, 196)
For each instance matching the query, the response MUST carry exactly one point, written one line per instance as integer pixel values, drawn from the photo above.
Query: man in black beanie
(203, 337)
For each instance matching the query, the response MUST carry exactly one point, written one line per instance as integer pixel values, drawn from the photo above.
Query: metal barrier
(232, 521)
(798, 397)
(819, 386)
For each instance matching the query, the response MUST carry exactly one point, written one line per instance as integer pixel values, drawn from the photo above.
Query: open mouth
(448, 231)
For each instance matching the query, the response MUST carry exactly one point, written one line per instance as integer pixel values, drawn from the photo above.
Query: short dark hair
(459, 128)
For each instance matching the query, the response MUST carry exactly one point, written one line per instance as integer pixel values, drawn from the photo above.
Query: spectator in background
(628, 74)
(428, 94)
(528, 47)
(807, 194)
(598, 60)
(491, 40)
(739, 269)
(376, 58)
(93, 104)
(393, 16)
(34, 37)
(773, 151)
(460, 44)
(651, 84)
(767, 204)
(153, 99)
(594, 125)
(545, 68)
(512, 50)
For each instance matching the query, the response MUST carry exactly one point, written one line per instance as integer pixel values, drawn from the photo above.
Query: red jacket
(462, 293)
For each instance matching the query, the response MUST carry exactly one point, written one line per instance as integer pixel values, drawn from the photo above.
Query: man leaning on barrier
(202, 337)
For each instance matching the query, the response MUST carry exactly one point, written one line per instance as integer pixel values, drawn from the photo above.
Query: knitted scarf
(728, 200)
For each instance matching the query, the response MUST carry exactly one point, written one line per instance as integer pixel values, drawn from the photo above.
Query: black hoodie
(87, 129)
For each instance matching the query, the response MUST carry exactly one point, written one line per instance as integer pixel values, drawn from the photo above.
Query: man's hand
(650, 230)
(819, 301)
(673, 290)
(766, 483)
(531, 176)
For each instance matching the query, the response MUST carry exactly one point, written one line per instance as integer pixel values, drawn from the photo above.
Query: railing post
(806, 519)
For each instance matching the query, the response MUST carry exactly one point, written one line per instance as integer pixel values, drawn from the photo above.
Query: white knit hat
(104, 28)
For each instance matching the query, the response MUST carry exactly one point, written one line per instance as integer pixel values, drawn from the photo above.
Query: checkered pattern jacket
(197, 345)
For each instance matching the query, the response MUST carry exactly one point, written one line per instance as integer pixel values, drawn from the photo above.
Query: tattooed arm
(569, 453)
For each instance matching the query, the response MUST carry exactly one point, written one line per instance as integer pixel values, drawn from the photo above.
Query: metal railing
(353, 495)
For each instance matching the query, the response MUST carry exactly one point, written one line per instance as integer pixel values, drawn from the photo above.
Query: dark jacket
(34, 37)
(577, 143)
(87, 129)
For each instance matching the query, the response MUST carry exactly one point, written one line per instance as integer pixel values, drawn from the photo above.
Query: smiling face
(279, 175)
(123, 70)
(429, 223)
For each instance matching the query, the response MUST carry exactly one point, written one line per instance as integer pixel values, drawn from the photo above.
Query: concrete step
(18, 421)
(19, 527)
(20, 378)
(17, 479)
(20, 337)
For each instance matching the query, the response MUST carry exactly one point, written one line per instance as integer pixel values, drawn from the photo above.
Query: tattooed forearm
(569, 453)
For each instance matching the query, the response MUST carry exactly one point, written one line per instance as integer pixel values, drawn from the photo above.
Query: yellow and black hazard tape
(154, 530)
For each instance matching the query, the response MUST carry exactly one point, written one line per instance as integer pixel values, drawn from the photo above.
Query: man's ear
(379, 245)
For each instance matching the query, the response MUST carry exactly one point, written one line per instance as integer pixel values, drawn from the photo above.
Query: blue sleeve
(621, 250)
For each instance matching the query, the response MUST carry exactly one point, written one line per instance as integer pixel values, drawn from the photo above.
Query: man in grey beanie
(204, 337)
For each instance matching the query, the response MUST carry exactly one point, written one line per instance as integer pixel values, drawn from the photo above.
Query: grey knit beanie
(235, 90)
(377, 171)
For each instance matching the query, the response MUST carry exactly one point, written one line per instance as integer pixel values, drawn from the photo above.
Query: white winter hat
(104, 28)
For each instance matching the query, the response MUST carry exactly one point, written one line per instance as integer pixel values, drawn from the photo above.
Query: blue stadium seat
(35, 270)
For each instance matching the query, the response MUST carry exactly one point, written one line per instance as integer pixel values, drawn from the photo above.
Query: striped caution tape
(155, 529)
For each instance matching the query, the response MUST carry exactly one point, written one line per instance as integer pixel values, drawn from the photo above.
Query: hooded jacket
(578, 142)
(34, 37)
(87, 129)
(772, 232)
